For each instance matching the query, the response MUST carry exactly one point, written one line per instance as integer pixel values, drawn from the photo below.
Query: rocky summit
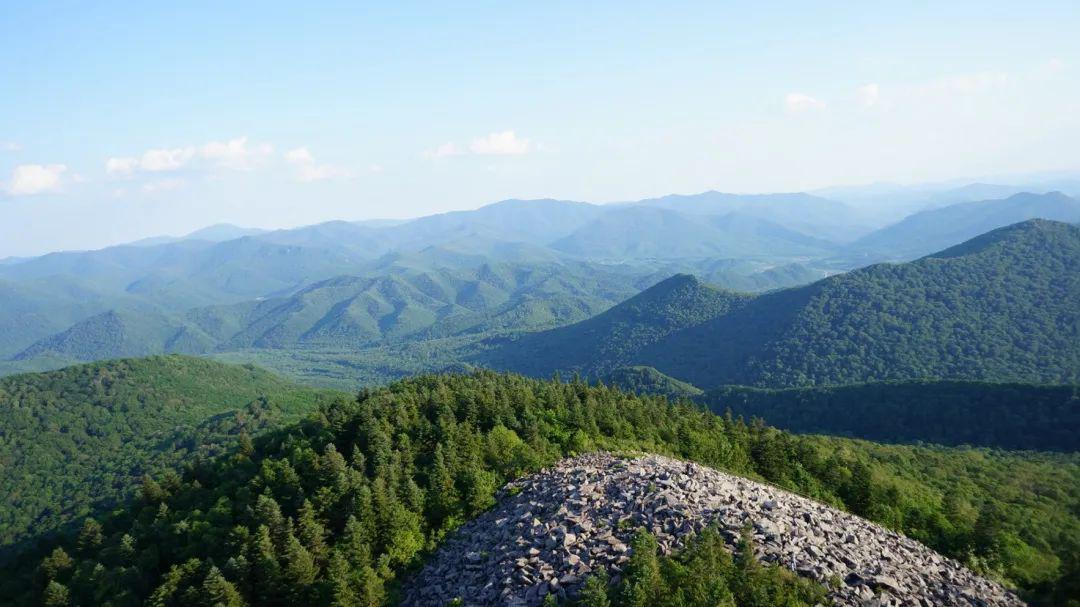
(550, 530)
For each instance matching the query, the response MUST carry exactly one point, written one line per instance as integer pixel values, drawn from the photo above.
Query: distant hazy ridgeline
(340, 291)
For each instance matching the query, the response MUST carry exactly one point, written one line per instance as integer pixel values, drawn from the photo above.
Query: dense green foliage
(334, 510)
(115, 334)
(389, 305)
(77, 440)
(1007, 416)
(646, 380)
(702, 574)
(616, 337)
(1001, 307)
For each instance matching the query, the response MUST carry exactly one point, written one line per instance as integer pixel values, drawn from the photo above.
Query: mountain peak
(1032, 232)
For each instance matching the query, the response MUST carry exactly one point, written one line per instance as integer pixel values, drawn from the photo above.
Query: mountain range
(512, 267)
(998, 307)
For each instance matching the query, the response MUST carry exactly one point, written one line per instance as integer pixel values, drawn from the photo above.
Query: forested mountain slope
(32, 309)
(1000, 307)
(398, 302)
(339, 507)
(1004, 416)
(402, 303)
(77, 440)
(616, 337)
(939, 228)
(116, 334)
(646, 380)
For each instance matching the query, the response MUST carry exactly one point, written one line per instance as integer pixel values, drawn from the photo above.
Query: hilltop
(78, 440)
(616, 337)
(592, 511)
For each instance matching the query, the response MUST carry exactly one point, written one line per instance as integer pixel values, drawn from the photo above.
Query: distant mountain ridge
(936, 229)
(615, 338)
(353, 311)
(1000, 307)
(209, 291)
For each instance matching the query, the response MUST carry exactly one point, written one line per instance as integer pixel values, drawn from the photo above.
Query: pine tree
(264, 564)
(442, 496)
(643, 585)
(56, 564)
(220, 592)
(56, 595)
(340, 587)
(300, 570)
(858, 496)
(151, 492)
(90, 537)
(331, 465)
(310, 532)
(354, 544)
(246, 446)
(594, 592)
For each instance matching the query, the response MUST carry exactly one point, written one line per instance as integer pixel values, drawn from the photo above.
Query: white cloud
(299, 155)
(121, 166)
(165, 159)
(801, 102)
(505, 143)
(500, 143)
(29, 179)
(444, 151)
(376, 168)
(9, 146)
(869, 94)
(235, 154)
(308, 170)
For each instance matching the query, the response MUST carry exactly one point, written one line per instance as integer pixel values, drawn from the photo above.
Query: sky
(120, 121)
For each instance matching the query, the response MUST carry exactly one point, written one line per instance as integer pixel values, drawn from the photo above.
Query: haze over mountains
(509, 267)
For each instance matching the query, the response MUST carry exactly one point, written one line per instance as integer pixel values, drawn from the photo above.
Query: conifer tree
(643, 586)
(220, 592)
(56, 595)
(594, 592)
(311, 532)
(90, 536)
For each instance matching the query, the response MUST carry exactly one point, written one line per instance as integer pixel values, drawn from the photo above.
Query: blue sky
(119, 121)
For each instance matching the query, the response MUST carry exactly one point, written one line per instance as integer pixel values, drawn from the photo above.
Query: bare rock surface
(551, 529)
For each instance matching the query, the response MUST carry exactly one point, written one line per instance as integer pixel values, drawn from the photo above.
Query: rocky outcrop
(550, 530)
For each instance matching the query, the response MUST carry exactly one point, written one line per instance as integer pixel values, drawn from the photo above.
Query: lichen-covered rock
(551, 529)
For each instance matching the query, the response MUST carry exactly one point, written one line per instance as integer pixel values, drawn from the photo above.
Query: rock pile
(550, 530)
